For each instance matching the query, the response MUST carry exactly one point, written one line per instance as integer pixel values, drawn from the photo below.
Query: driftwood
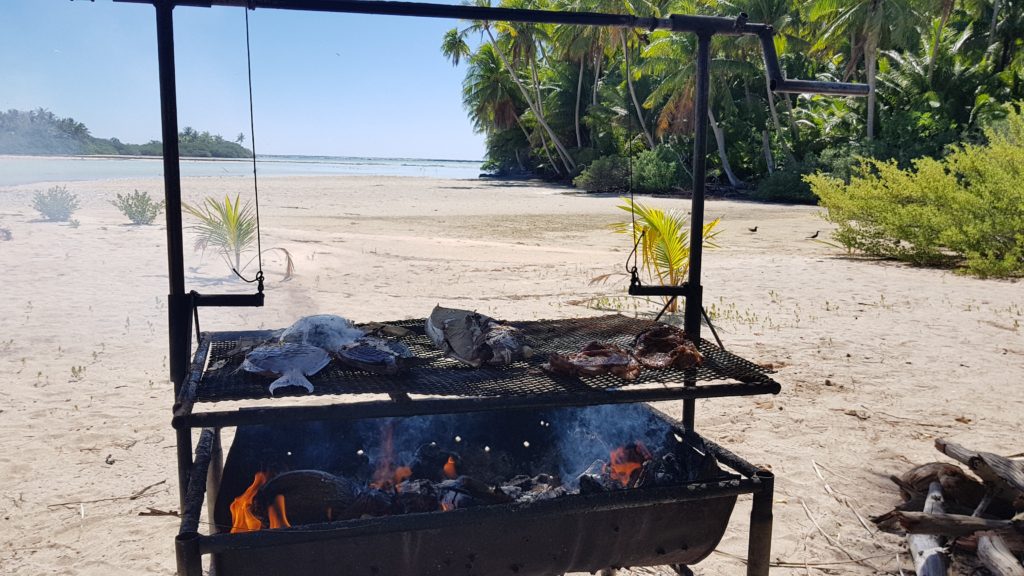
(1013, 539)
(1004, 477)
(952, 525)
(996, 555)
(927, 549)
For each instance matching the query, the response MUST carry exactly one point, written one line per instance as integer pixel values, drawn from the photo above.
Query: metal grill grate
(431, 373)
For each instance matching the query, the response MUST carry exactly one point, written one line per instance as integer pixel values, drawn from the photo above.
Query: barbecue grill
(674, 525)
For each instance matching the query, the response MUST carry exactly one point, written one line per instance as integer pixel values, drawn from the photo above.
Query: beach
(876, 359)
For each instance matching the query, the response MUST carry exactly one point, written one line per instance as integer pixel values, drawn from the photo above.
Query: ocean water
(17, 170)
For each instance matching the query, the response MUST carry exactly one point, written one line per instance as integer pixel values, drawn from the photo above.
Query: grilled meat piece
(308, 494)
(665, 346)
(594, 359)
(475, 339)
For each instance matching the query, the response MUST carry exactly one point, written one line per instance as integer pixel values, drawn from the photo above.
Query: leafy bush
(606, 174)
(138, 207)
(966, 209)
(56, 205)
(785, 186)
(656, 170)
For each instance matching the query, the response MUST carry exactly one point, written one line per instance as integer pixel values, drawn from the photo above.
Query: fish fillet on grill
(475, 339)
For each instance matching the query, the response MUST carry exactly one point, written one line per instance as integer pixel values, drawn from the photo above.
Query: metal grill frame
(195, 468)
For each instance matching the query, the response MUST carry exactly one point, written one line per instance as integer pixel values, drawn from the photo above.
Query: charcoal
(466, 492)
(308, 495)
(595, 479)
(416, 496)
(369, 502)
(662, 471)
(429, 460)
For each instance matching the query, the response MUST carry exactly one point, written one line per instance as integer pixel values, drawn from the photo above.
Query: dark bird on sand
(754, 229)
(813, 236)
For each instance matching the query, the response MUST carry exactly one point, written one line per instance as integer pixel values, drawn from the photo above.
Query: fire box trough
(675, 522)
(443, 469)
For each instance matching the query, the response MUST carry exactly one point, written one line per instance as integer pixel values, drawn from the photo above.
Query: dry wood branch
(157, 512)
(991, 468)
(996, 555)
(1014, 541)
(135, 496)
(947, 524)
(927, 549)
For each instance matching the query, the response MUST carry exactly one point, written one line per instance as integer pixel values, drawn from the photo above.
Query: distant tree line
(42, 132)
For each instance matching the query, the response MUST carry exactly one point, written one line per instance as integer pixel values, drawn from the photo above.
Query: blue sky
(331, 84)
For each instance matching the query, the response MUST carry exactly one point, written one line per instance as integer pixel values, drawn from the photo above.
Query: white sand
(877, 359)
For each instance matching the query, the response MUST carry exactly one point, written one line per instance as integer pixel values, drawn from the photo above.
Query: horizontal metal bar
(228, 300)
(185, 419)
(428, 10)
(778, 83)
(642, 290)
(825, 88)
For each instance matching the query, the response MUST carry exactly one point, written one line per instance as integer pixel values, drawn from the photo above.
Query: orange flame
(445, 506)
(276, 513)
(627, 460)
(242, 518)
(449, 468)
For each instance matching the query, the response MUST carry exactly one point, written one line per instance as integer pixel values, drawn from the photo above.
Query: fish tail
(292, 378)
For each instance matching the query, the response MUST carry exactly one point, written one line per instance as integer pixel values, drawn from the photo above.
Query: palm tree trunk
(871, 65)
(544, 145)
(996, 4)
(579, 93)
(775, 118)
(597, 78)
(766, 143)
(720, 139)
(636, 103)
(947, 7)
(570, 165)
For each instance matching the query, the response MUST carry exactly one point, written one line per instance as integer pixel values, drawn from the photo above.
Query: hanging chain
(255, 181)
(634, 276)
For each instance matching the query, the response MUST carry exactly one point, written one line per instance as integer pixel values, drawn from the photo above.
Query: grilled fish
(475, 339)
(377, 355)
(289, 362)
(325, 331)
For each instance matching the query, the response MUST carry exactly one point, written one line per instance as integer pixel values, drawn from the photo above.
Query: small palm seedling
(663, 243)
(56, 205)
(139, 207)
(229, 227)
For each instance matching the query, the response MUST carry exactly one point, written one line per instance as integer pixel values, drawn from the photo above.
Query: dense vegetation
(557, 101)
(42, 132)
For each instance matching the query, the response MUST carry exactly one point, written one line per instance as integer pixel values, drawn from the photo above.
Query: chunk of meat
(594, 359)
(665, 346)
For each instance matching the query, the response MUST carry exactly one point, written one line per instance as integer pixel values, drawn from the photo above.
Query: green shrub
(966, 209)
(606, 174)
(138, 207)
(656, 170)
(785, 186)
(56, 205)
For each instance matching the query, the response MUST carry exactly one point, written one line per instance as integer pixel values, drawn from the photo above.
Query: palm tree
(874, 25)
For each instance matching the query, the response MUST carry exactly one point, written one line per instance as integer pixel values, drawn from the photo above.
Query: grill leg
(187, 555)
(760, 545)
(184, 443)
(213, 476)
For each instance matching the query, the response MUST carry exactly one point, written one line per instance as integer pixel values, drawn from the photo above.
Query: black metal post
(759, 549)
(178, 304)
(694, 300)
(187, 554)
(214, 475)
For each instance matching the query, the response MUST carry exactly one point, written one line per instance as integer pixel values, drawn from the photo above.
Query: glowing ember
(445, 506)
(627, 460)
(449, 468)
(242, 517)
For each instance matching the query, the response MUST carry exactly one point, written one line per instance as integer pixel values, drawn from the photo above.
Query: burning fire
(449, 468)
(242, 517)
(627, 460)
